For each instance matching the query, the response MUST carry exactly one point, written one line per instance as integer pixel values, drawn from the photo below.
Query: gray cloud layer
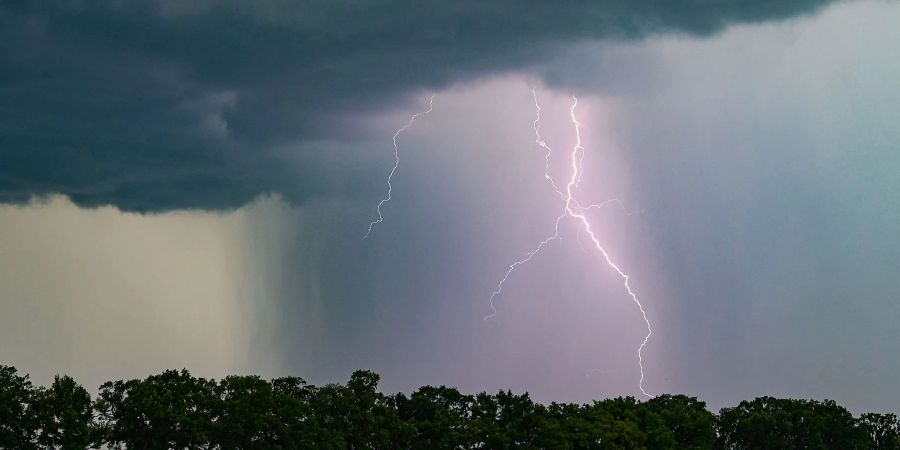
(152, 106)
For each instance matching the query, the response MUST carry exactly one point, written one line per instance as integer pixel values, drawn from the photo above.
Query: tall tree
(438, 417)
(171, 410)
(17, 421)
(244, 414)
(768, 422)
(619, 423)
(689, 424)
(250, 412)
(65, 416)
(297, 424)
(883, 430)
(359, 416)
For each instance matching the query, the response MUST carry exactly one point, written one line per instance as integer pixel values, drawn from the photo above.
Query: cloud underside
(153, 106)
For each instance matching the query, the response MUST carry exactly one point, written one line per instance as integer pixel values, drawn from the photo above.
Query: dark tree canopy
(65, 415)
(175, 410)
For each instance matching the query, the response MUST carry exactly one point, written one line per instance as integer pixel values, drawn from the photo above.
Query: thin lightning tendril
(541, 142)
(575, 210)
(396, 164)
(512, 267)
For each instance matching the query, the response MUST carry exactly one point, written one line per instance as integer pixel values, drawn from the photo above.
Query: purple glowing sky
(762, 160)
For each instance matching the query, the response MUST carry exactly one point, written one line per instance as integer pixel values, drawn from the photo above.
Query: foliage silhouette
(175, 410)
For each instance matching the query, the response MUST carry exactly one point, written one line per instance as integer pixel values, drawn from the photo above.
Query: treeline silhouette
(175, 410)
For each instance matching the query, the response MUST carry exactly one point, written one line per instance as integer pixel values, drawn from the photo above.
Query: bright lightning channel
(575, 210)
(396, 164)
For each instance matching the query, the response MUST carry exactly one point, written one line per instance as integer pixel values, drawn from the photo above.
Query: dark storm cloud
(158, 105)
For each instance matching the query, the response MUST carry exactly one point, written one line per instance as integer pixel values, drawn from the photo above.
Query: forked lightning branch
(571, 209)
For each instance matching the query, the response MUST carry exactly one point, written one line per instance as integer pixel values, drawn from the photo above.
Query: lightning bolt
(574, 210)
(396, 164)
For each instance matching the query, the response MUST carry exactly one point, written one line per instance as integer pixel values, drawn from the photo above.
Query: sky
(188, 184)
